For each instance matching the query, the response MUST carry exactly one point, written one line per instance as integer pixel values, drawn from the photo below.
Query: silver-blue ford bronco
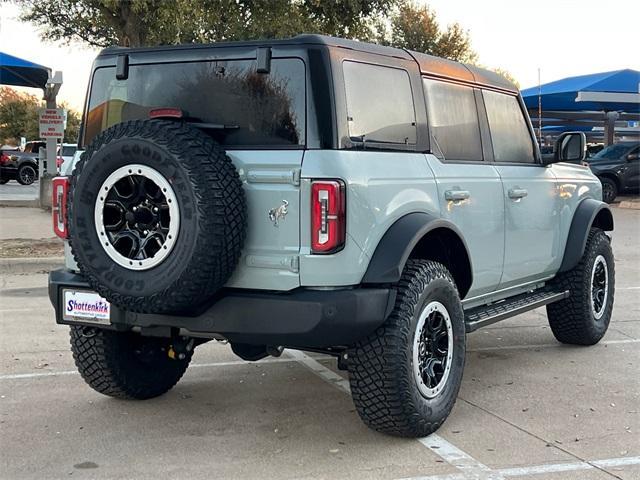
(319, 194)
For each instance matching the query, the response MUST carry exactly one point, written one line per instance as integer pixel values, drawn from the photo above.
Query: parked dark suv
(618, 168)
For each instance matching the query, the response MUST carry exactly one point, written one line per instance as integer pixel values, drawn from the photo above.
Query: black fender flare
(398, 242)
(27, 161)
(583, 219)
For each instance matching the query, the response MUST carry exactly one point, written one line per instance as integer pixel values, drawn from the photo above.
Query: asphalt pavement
(529, 407)
(12, 191)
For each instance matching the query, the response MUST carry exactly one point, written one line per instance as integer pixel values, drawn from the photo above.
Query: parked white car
(66, 152)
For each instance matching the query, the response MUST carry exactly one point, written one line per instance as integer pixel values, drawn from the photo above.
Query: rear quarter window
(267, 109)
(379, 105)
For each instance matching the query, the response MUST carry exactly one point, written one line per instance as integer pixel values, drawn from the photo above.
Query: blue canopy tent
(608, 91)
(609, 99)
(23, 73)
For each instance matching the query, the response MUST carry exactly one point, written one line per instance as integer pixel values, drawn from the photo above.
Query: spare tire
(157, 216)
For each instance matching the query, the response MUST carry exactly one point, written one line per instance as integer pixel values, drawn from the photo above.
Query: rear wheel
(583, 318)
(405, 377)
(126, 364)
(27, 174)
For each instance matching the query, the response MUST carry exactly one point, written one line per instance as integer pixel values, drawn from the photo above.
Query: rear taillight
(328, 219)
(4, 159)
(59, 206)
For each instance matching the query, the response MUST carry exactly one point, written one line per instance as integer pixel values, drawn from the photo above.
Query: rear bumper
(8, 172)
(301, 318)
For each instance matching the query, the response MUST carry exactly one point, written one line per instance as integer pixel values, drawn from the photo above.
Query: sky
(561, 37)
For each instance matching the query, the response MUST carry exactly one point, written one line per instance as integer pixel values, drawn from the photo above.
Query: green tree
(73, 124)
(507, 75)
(416, 27)
(19, 117)
(156, 22)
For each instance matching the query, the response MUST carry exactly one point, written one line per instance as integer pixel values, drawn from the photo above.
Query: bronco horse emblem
(275, 214)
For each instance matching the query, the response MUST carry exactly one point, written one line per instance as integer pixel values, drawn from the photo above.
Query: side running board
(487, 314)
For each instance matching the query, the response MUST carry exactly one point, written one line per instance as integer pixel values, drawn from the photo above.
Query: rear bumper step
(301, 318)
(487, 314)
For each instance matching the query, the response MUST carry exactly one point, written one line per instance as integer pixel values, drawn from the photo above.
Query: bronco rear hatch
(254, 105)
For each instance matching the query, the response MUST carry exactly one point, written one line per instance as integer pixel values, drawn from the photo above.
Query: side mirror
(633, 156)
(570, 147)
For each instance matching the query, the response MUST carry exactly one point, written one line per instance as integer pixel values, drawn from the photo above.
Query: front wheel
(583, 318)
(609, 190)
(405, 377)
(126, 364)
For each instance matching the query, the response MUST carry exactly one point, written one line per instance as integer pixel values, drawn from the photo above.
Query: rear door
(469, 189)
(530, 196)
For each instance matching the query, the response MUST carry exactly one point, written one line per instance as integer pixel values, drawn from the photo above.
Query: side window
(510, 135)
(453, 120)
(379, 104)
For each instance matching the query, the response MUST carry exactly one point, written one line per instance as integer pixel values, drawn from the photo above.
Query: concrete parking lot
(529, 407)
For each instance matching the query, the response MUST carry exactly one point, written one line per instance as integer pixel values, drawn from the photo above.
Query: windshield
(260, 109)
(611, 152)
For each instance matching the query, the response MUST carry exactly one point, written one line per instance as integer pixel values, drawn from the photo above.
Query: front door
(631, 175)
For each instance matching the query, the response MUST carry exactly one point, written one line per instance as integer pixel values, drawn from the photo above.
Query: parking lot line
(542, 469)
(469, 466)
(231, 363)
(343, 384)
(549, 345)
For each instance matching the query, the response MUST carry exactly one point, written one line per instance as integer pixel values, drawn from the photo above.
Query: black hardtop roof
(429, 64)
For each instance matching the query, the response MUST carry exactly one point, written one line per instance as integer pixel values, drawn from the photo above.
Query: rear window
(257, 109)
(68, 150)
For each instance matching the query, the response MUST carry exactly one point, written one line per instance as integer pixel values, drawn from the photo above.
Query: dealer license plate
(85, 306)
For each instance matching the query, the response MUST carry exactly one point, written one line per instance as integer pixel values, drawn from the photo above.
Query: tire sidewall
(23, 168)
(608, 198)
(443, 291)
(599, 245)
(104, 161)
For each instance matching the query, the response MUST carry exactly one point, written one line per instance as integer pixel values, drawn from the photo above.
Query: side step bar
(487, 314)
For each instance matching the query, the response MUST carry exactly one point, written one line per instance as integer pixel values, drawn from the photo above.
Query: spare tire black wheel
(157, 216)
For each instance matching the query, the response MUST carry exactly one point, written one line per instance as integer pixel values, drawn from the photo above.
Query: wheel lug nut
(135, 208)
(155, 209)
(145, 232)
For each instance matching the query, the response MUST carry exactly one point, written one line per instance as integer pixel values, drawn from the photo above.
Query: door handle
(456, 195)
(517, 193)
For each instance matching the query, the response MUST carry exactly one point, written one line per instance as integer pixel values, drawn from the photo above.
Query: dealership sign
(52, 122)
